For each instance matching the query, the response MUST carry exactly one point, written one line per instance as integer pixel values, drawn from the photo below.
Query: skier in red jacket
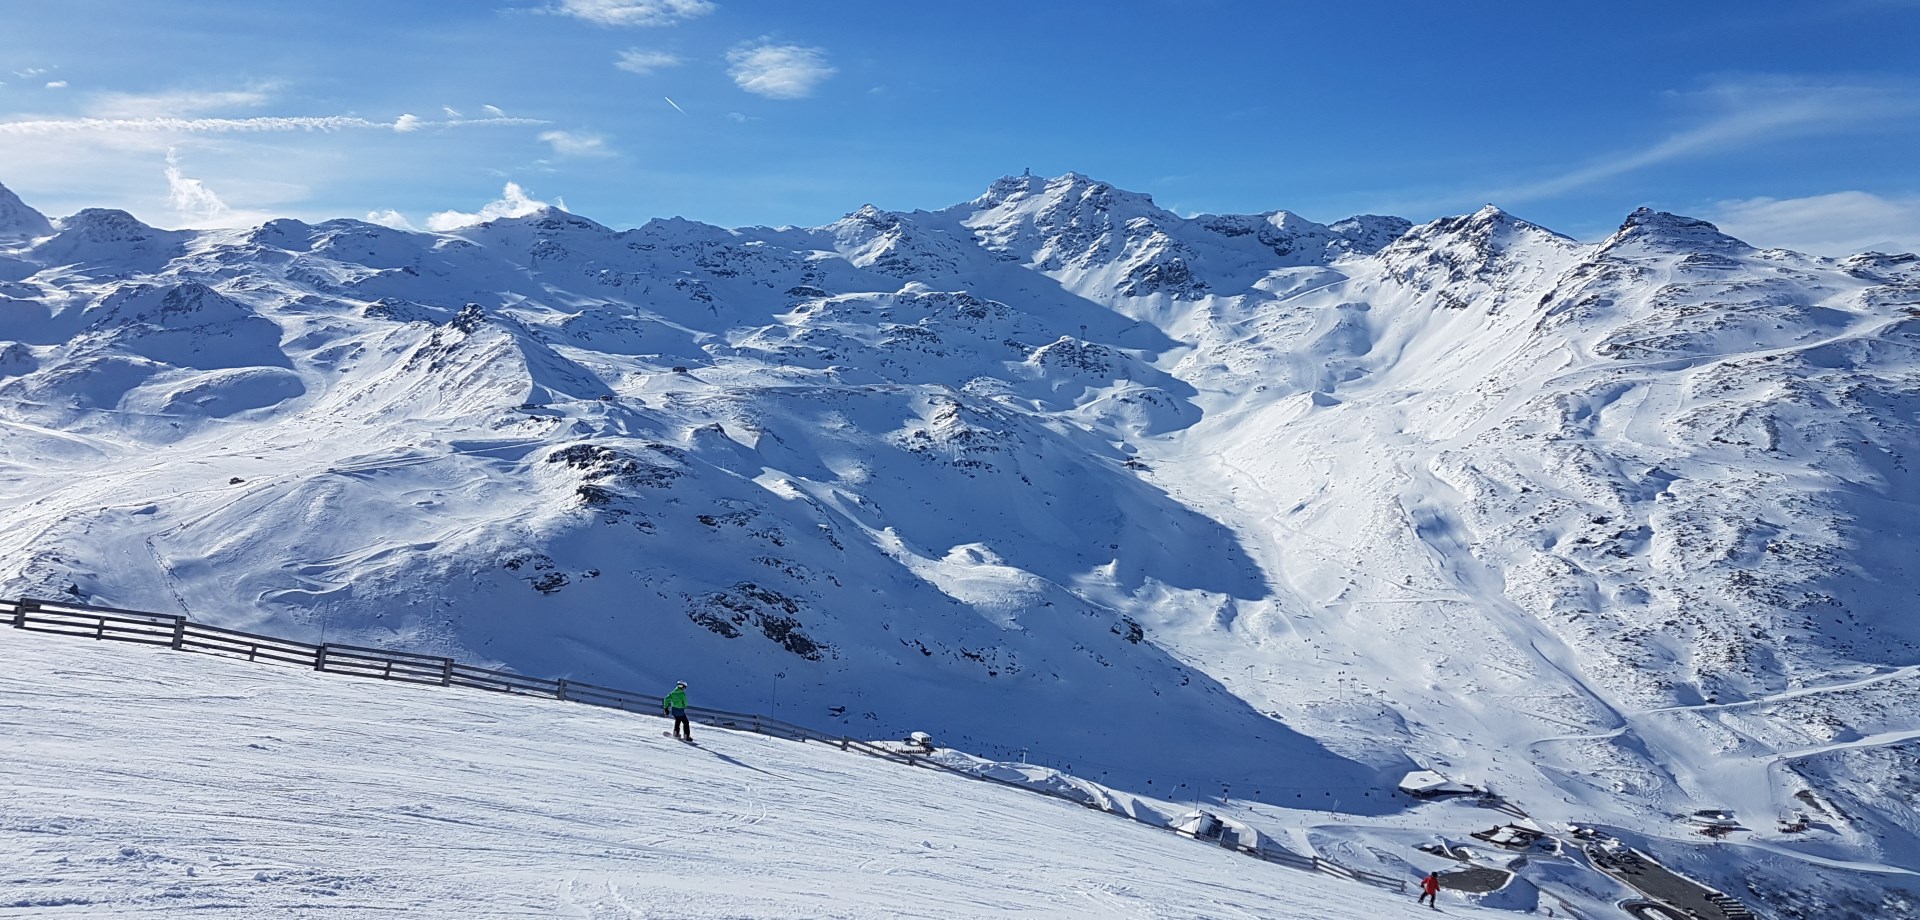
(1430, 890)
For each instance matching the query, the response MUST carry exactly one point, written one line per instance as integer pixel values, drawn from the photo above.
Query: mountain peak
(1069, 186)
(1484, 226)
(1649, 218)
(1666, 231)
(549, 218)
(1074, 184)
(105, 223)
(18, 220)
(1008, 187)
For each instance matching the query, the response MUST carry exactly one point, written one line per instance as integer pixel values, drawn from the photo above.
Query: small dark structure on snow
(1511, 836)
(1714, 822)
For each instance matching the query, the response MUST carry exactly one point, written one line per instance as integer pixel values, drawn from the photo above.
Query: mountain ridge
(1317, 503)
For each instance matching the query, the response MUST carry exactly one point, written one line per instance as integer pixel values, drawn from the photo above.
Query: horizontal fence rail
(466, 675)
(232, 643)
(372, 662)
(178, 632)
(97, 623)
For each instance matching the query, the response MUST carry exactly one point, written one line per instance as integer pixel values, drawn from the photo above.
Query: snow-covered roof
(1427, 782)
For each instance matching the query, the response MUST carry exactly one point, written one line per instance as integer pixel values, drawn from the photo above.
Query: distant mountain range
(1622, 529)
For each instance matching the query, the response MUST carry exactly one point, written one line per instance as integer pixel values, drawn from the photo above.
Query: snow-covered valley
(1621, 530)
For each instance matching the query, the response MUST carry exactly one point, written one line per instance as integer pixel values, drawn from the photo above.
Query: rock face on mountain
(18, 221)
(1623, 529)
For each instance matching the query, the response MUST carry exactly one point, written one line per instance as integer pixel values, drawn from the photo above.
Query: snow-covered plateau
(1623, 531)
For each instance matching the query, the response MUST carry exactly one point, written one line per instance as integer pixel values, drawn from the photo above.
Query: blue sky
(1793, 124)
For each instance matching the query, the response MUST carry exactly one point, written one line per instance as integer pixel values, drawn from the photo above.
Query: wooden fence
(178, 632)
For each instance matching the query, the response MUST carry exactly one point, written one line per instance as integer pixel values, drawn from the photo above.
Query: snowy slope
(145, 783)
(1623, 530)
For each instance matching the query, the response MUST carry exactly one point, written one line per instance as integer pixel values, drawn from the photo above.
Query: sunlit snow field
(141, 783)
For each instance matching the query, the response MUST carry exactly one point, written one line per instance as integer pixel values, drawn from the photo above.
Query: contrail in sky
(676, 105)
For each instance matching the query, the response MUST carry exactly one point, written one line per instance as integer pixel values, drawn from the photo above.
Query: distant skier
(1430, 890)
(675, 705)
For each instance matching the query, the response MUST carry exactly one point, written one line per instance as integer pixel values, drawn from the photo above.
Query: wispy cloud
(778, 71)
(514, 202)
(571, 144)
(641, 61)
(1741, 114)
(57, 84)
(264, 123)
(635, 12)
(493, 111)
(406, 123)
(190, 198)
(1836, 224)
(450, 111)
(174, 104)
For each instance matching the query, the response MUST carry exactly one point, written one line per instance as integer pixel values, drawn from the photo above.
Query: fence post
(320, 657)
(20, 613)
(179, 632)
(446, 672)
(560, 689)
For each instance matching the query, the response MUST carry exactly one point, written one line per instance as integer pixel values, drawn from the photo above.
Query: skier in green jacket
(675, 705)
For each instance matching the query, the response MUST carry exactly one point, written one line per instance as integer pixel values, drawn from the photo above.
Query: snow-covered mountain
(1624, 530)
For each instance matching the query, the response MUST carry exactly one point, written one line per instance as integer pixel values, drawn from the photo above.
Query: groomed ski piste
(143, 782)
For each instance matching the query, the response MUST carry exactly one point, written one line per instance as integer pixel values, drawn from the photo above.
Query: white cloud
(178, 104)
(264, 123)
(187, 125)
(569, 144)
(388, 217)
(30, 72)
(640, 61)
(635, 12)
(513, 202)
(778, 71)
(1836, 224)
(451, 112)
(57, 84)
(406, 123)
(190, 198)
(494, 111)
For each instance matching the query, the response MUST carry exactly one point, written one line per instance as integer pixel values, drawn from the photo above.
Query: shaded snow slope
(18, 221)
(144, 783)
(1173, 502)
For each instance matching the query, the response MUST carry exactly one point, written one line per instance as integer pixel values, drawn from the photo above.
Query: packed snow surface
(1621, 530)
(143, 783)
